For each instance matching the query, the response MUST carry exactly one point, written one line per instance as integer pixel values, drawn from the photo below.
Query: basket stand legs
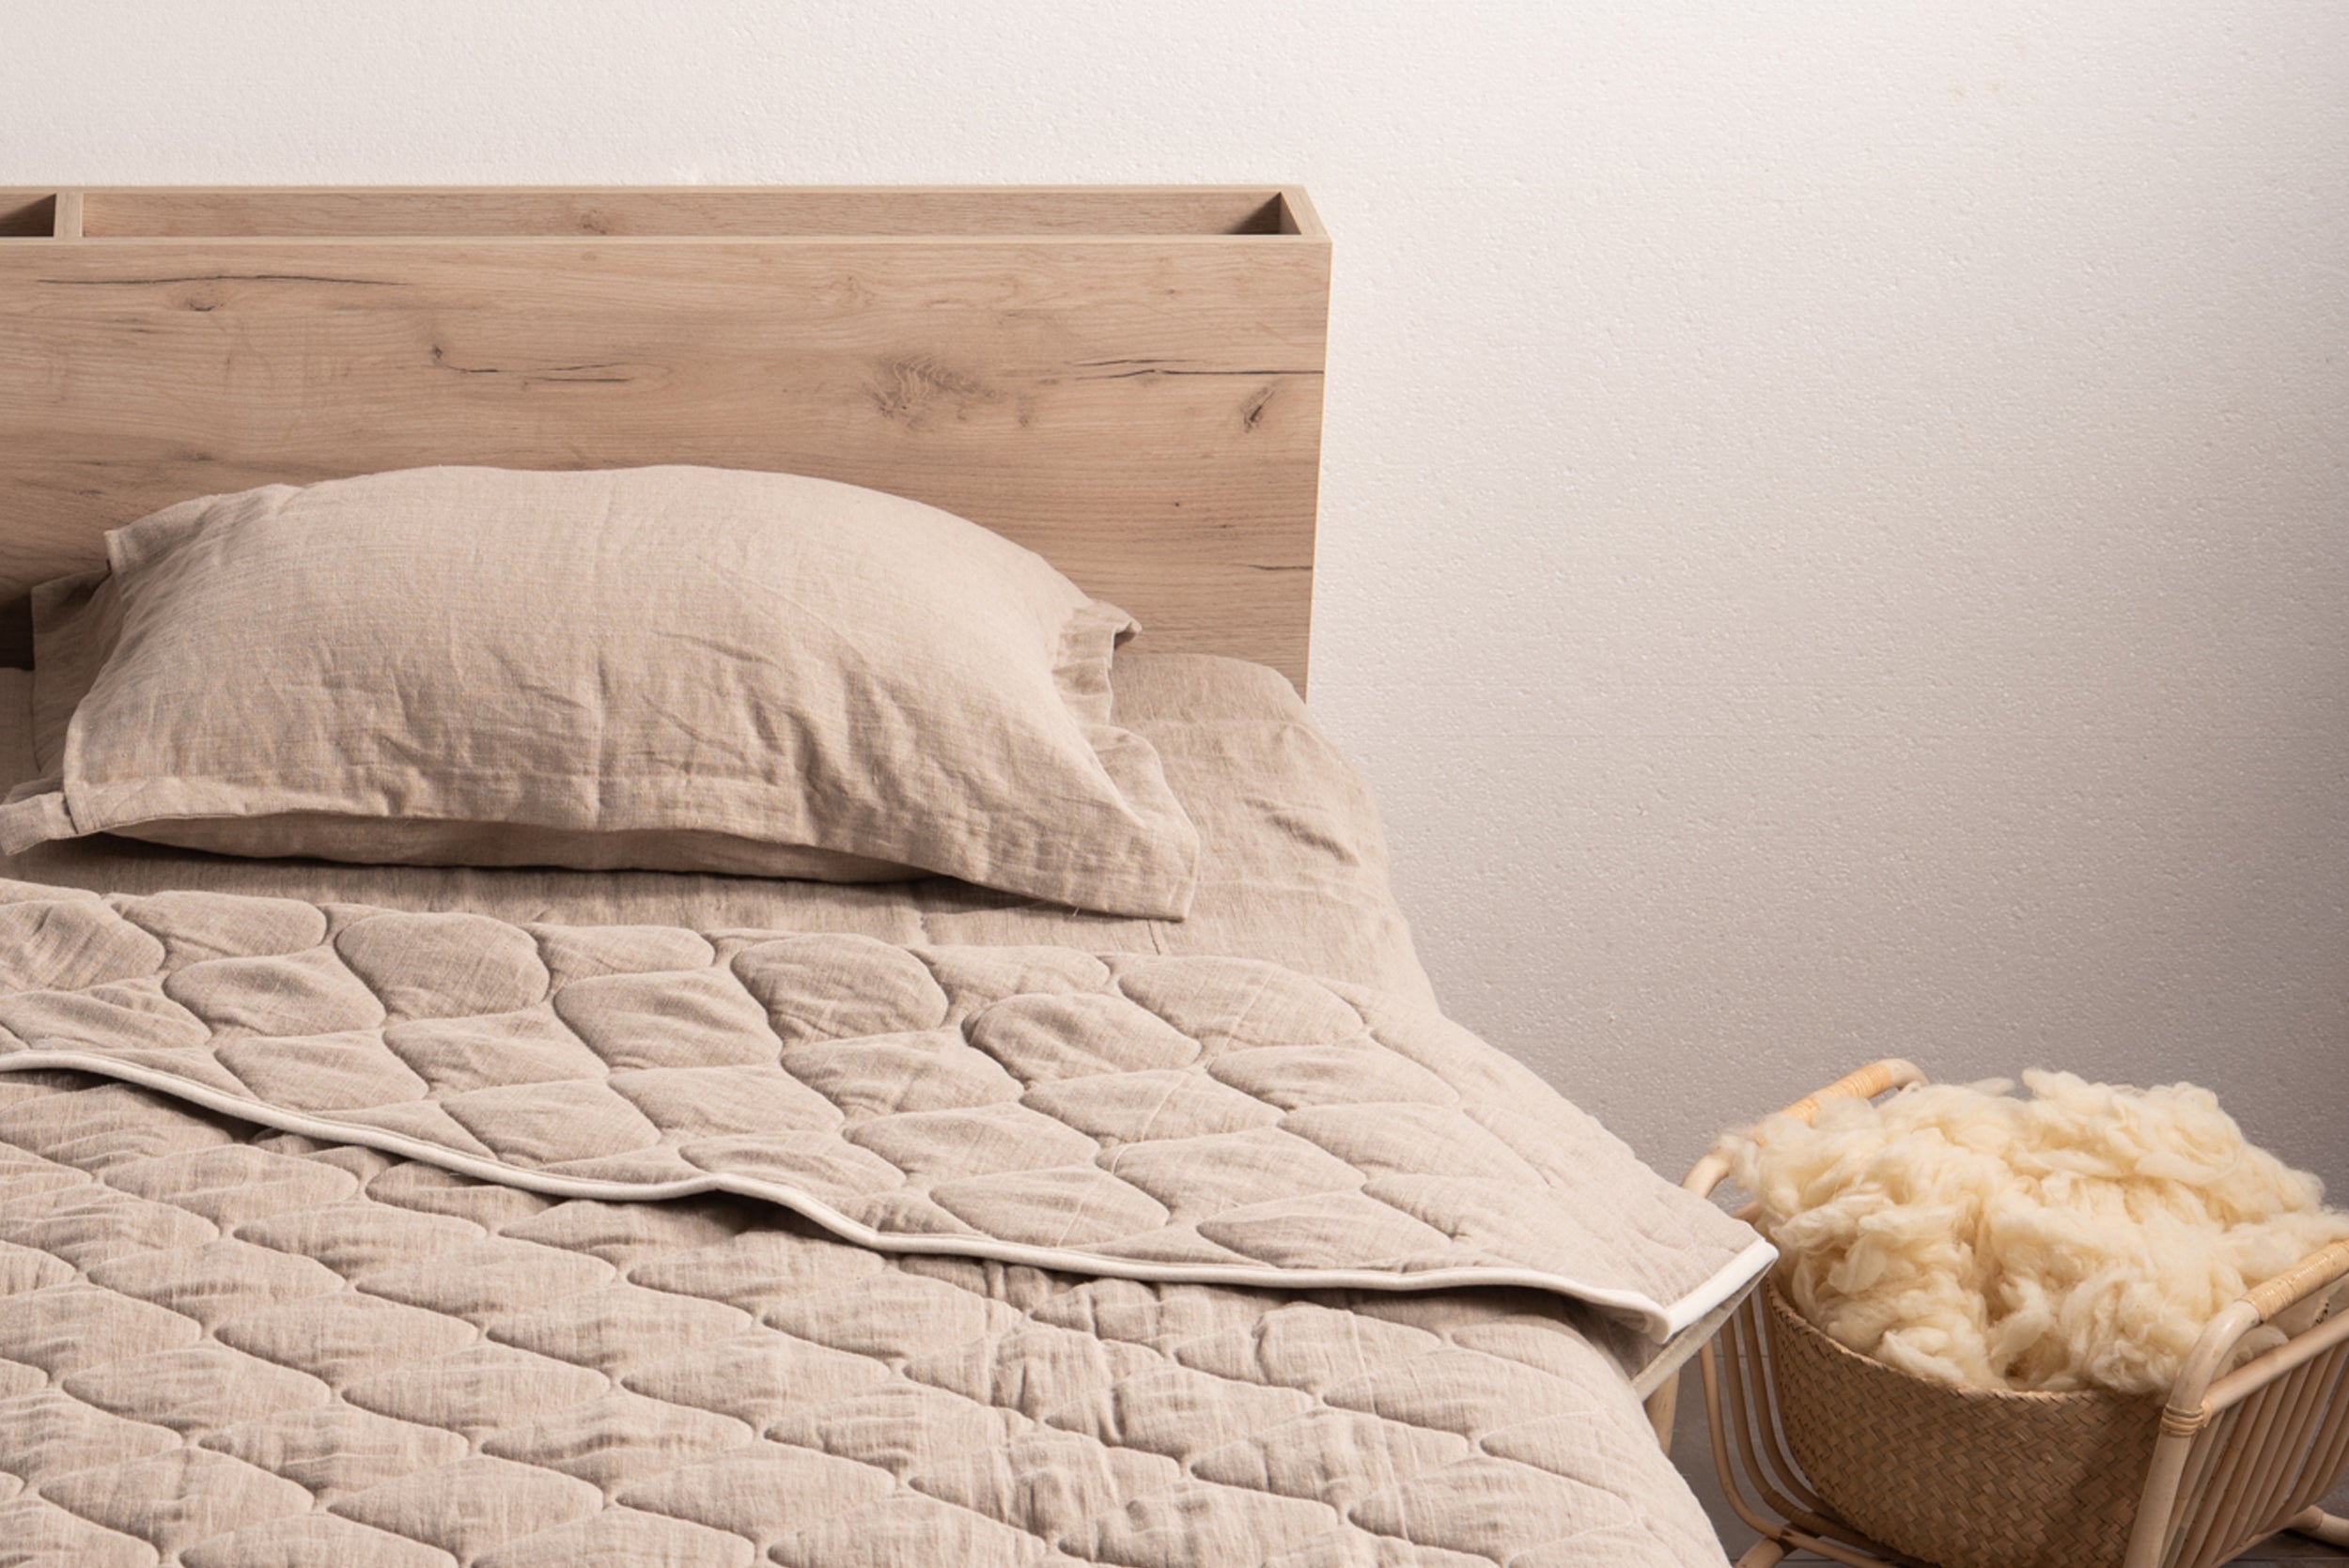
(1763, 1554)
(2317, 1525)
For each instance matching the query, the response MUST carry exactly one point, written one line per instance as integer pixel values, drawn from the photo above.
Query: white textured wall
(1836, 527)
(1835, 533)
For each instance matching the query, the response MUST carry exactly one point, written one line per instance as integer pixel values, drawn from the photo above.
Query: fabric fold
(1202, 1120)
(33, 814)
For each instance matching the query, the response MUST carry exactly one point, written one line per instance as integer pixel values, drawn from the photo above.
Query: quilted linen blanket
(332, 1234)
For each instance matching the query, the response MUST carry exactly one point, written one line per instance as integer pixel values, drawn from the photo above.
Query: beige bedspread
(418, 1219)
(231, 1349)
(265, 1356)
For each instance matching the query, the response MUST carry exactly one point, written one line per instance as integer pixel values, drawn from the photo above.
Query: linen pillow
(667, 668)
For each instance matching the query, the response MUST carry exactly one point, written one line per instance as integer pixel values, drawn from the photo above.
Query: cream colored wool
(2079, 1238)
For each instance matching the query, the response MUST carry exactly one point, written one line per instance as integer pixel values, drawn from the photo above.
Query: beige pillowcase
(667, 668)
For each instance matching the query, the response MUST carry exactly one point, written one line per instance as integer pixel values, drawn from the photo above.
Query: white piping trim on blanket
(1660, 1322)
(1676, 1353)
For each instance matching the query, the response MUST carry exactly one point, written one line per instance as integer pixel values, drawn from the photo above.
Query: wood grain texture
(386, 212)
(1144, 409)
(27, 214)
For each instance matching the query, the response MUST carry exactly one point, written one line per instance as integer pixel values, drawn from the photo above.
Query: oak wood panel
(754, 212)
(27, 213)
(1144, 411)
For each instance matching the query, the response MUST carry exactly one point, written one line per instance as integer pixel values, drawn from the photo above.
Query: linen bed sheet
(482, 1238)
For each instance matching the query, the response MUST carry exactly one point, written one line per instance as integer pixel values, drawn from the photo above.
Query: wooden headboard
(1126, 380)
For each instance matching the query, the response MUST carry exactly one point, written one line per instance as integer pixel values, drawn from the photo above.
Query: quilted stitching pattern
(230, 1348)
(1155, 1116)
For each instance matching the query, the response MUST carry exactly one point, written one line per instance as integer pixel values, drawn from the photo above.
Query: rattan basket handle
(1865, 1084)
(2315, 1271)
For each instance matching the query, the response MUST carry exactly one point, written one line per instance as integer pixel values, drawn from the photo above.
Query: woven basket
(1962, 1478)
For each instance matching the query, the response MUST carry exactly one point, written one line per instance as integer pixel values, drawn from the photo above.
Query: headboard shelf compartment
(257, 212)
(28, 215)
(1126, 380)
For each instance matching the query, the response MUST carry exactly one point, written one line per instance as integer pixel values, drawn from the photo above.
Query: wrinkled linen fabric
(1193, 1117)
(252, 1349)
(553, 1423)
(958, 1253)
(785, 676)
(1292, 864)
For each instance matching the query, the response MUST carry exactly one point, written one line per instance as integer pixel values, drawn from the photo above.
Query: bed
(359, 1213)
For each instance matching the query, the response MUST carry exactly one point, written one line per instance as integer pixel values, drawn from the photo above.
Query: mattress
(390, 1215)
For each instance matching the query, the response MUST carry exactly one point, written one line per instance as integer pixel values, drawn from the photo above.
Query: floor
(2292, 1550)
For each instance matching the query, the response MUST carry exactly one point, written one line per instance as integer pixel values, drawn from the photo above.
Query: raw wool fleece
(2078, 1239)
